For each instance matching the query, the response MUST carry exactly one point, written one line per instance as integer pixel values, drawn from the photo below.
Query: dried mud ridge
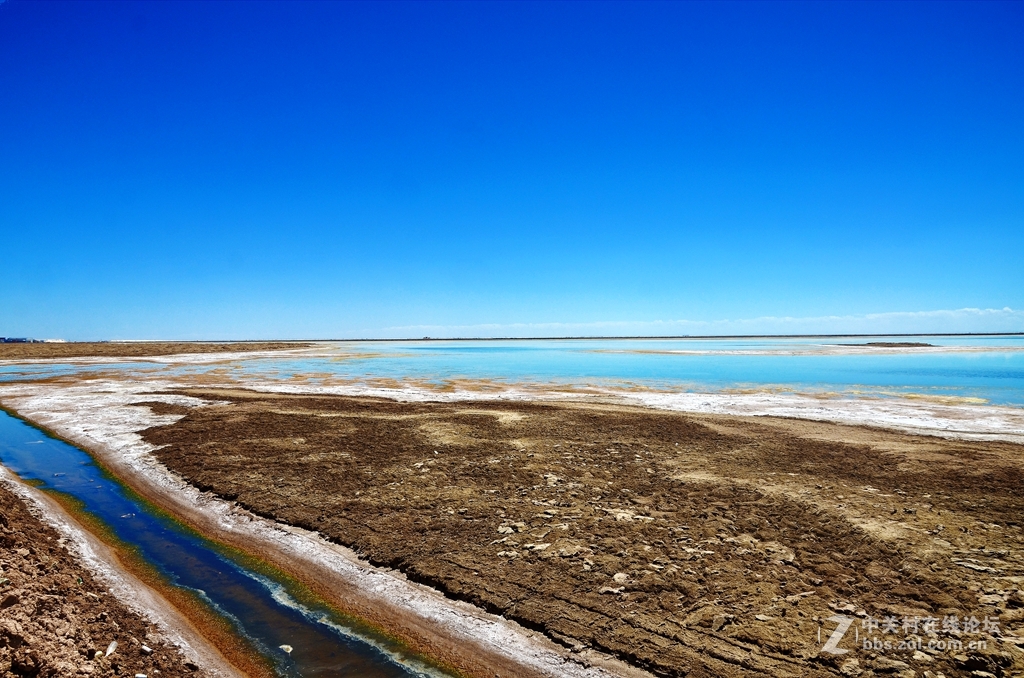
(55, 620)
(96, 349)
(684, 545)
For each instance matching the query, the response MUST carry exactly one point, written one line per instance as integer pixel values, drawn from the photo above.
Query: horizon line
(568, 337)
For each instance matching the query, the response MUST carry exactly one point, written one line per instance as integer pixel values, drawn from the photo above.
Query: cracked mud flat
(100, 417)
(58, 619)
(729, 551)
(681, 544)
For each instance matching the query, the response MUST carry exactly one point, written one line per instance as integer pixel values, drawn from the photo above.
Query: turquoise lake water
(990, 369)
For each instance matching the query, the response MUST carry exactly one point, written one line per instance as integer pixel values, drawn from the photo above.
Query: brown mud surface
(136, 349)
(682, 544)
(893, 344)
(56, 620)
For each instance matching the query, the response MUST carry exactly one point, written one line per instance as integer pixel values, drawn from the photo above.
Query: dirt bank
(57, 620)
(136, 349)
(684, 545)
(104, 421)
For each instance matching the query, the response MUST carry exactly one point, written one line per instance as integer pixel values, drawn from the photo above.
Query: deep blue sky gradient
(248, 170)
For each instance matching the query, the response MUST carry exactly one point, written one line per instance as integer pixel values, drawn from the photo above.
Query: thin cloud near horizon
(964, 320)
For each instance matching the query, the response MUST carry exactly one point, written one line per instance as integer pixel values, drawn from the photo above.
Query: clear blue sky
(244, 170)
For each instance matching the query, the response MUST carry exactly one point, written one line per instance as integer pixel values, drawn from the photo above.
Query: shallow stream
(264, 611)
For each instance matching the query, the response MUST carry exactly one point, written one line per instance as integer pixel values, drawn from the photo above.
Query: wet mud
(57, 620)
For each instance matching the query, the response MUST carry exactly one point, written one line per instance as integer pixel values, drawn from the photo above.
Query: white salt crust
(98, 416)
(97, 558)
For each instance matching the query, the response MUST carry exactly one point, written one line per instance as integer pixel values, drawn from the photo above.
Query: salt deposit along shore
(102, 625)
(217, 366)
(101, 413)
(477, 643)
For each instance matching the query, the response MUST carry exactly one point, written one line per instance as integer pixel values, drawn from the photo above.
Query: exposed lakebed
(264, 611)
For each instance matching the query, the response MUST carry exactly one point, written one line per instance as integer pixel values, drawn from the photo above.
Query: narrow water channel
(263, 611)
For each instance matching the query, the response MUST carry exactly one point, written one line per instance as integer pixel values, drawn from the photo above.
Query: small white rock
(287, 648)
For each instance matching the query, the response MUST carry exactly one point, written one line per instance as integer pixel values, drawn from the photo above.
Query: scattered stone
(721, 542)
(620, 577)
(889, 665)
(851, 667)
(286, 648)
(63, 619)
(797, 597)
(720, 621)
(977, 567)
(1013, 615)
(146, 650)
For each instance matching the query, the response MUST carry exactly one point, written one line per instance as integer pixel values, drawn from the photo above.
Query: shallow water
(989, 370)
(979, 370)
(263, 611)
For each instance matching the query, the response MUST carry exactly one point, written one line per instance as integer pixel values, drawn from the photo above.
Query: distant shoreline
(559, 338)
(694, 337)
